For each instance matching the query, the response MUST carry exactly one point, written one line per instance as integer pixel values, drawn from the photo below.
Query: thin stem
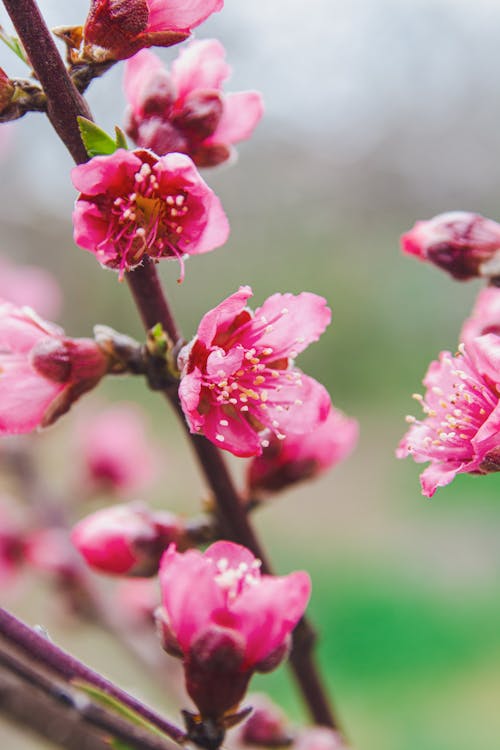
(43, 651)
(88, 711)
(153, 308)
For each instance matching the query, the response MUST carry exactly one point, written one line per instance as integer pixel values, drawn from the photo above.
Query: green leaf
(15, 45)
(108, 701)
(96, 141)
(121, 141)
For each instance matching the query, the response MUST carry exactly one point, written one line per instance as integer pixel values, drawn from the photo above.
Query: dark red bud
(200, 114)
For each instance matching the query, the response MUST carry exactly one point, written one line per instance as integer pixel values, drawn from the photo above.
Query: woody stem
(64, 105)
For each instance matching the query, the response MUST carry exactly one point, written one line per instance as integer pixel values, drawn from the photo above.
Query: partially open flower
(185, 109)
(117, 29)
(42, 372)
(225, 619)
(300, 457)
(461, 430)
(135, 205)
(464, 244)
(238, 382)
(126, 539)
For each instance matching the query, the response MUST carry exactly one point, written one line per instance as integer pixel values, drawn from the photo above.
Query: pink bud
(266, 725)
(125, 539)
(464, 244)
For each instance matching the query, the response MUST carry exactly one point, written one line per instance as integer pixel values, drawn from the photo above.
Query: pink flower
(137, 599)
(185, 110)
(41, 371)
(117, 29)
(116, 452)
(485, 317)
(300, 457)
(30, 285)
(12, 544)
(125, 539)
(226, 620)
(238, 378)
(134, 204)
(464, 244)
(461, 432)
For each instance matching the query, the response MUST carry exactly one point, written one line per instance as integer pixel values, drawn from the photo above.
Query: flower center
(234, 580)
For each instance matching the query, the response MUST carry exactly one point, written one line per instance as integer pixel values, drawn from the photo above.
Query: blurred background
(377, 114)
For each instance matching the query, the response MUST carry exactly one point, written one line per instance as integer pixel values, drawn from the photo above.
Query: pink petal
(438, 475)
(106, 173)
(139, 71)
(189, 394)
(269, 611)
(221, 364)
(485, 355)
(236, 436)
(222, 316)
(295, 409)
(200, 65)
(241, 114)
(296, 322)
(24, 397)
(216, 230)
(180, 15)
(21, 328)
(189, 593)
(90, 228)
(235, 554)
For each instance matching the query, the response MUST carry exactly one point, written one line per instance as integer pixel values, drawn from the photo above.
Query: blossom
(300, 457)
(266, 726)
(125, 539)
(485, 316)
(185, 109)
(117, 29)
(116, 453)
(461, 431)
(238, 383)
(462, 243)
(226, 620)
(134, 204)
(41, 371)
(30, 285)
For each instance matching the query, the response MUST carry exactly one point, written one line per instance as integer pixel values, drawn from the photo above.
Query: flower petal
(241, 114)
(200, 65)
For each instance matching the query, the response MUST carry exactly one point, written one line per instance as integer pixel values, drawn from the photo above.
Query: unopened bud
(266, 725)
(464, 244)
(125, 539)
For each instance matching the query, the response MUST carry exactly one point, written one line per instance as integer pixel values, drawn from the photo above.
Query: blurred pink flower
(137, 599)
(125, 539)
(117, 455)
(134, 204)
(12, 544)
(185, 110)
(485, 316)
(300, 457)
(461, 432)
(119, 28)
(462, 243)
(30, 285)
(41, 371)
(226, 620)
(237, 374)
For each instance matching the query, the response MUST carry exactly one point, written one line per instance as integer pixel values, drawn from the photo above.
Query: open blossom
(464, 244)
(299, 457)
(461, 430)
(134, 204)
(485, 316)
(30, 285)
(238, 382)
(126, 539)
(41, 371)
(185, 109)
(117, 29)
(226, 620)
(116, 453)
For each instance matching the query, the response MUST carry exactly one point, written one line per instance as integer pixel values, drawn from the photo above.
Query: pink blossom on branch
(485, 316)
(116, 453)
(464, 244)
(185, 109)
(117, 29)
(226, 620)
(134, 204)
(42, 372)
(461, 430)
(238, 382)
(300, 457)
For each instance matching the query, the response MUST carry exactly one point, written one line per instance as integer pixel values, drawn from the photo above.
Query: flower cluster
(238, 382)
(185, 109)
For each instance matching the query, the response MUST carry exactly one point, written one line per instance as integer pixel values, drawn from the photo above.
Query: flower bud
(200, 113)
(464, 244)
(125, 539)
(266, 725)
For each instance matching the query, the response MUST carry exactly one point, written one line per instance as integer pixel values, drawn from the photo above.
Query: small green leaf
(120, 140)
(15, 45)
(96, 141)
(99, 696)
